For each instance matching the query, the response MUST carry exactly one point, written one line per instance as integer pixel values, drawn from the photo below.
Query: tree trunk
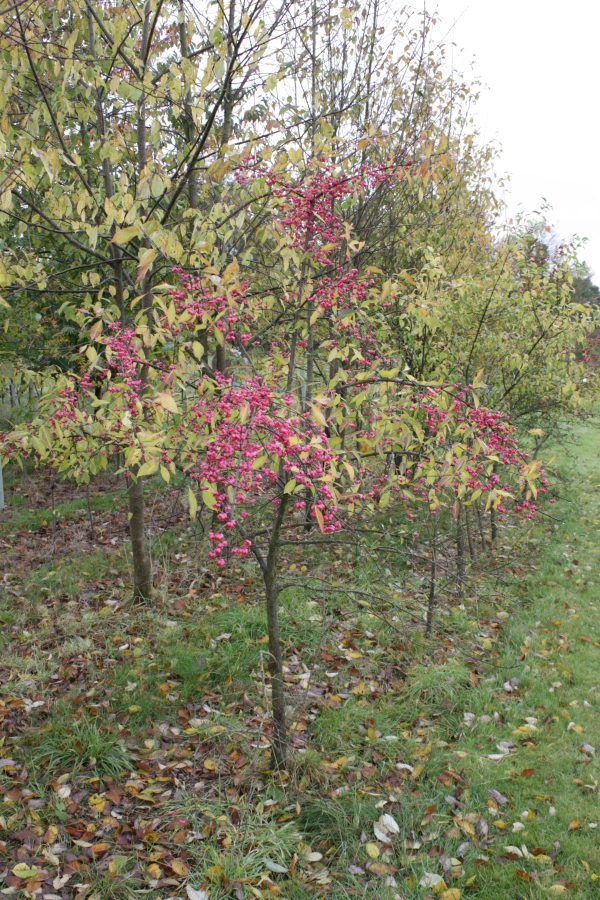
(431, 598)
(460, 552)
(279, 742)
(472, 552)
(481, 528)
(142, 566)
(493, 526)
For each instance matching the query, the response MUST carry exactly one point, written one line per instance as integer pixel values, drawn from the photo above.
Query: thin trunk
(107, 178)
(481, 528)
(90, 512)
(460, 552)
(2, 503)
(142, 566)
(188, 116)
(493, 519)
(229, 98)
(279, 743)
(431, 597)
(53, 509)
(493, 526)
(310, 328)
(472, 551)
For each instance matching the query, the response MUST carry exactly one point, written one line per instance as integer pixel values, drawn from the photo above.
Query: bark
(431, 597)
(142, 566)
(107, 178)
(493, 526)
(472, 551)
(188, 116)
(481, 528)
(279, 743)
(460, 552)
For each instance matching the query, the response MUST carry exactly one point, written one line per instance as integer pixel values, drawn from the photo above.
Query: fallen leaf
(179, 867)
(372, 850)
(196, 895)
(22, 870)
(275, 867)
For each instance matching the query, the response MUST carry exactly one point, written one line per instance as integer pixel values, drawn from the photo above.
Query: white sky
(540, 60)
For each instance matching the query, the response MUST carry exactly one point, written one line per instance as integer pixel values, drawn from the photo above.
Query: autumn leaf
(22, 870)
(372, 850)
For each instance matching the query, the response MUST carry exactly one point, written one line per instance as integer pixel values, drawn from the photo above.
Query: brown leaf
(378, 868)
(179, 867)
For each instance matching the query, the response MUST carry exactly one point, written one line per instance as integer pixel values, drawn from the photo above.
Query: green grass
(549, 780)
(68, 745)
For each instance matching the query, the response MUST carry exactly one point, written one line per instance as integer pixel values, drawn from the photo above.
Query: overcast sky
(540, 62)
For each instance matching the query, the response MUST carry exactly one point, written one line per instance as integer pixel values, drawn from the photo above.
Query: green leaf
(208, 498)
(192, 503)
(22, 870)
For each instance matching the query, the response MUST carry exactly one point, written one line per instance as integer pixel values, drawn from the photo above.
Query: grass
(548, 778)
(68, 745)
(483, 738)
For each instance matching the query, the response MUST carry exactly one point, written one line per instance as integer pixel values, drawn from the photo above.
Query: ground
(135, 740)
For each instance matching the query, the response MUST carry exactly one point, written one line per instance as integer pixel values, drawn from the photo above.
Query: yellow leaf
(210, 764)
(167, 401)
(466, 827)
(346, 17)
(22, 870)
(320, 519)
(145, 263)
(100, 848)
(97, 802)
(154, 871)
(208, 498)
(450, 894)
(179, 867)
(192, 503)
(574, 825)
(372, 850)
(147, 468)
(124, 235)
(51, 834)
(318, 416)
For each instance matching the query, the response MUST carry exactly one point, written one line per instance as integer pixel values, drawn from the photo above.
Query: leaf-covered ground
(135, 741)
